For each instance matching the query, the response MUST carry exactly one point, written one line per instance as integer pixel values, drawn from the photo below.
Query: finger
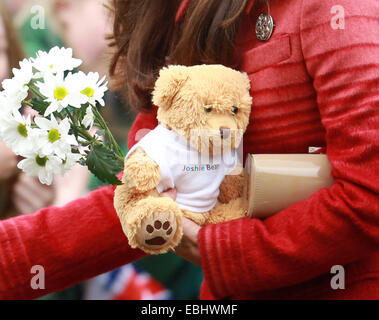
(32, 187)
(28, 111)
(20, 205)
(24, 202)
(190, 229)
(8, 161)
(29, 196)
(188, 248)
(171, 193)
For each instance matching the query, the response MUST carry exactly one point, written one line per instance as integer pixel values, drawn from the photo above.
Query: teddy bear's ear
(246, 80)
(171, 79)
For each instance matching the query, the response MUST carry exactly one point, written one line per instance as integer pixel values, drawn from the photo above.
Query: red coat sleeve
(72, 243)
(335, 226)
(143, 123)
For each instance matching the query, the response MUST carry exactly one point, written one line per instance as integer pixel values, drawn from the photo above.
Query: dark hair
(146, 37)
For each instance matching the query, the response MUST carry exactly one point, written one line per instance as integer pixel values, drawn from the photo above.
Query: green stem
(86, 135)
(105, 127)
(77, 130)
(83, 133)
(120, 159)
(71, 117)
(37, 93)
(58, 115)
(28, 103)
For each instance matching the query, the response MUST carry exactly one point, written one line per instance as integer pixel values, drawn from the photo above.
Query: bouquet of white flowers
(67, 103)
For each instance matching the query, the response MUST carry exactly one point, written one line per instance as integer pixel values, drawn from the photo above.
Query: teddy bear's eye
(208, 109)
(234, 110)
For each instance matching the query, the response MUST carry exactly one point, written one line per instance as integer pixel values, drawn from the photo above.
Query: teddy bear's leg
(150, 222)
(154, 225)
(231, 188)
(222, 212)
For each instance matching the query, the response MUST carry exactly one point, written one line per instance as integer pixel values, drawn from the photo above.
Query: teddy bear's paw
(159, 231)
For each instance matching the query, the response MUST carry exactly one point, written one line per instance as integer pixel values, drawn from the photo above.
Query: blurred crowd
(27, 26)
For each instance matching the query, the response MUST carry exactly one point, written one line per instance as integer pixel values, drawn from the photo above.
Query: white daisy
(55, 61)
(70, 160)
(16, 132)
(92, 87)
(25, 74)
(60, 92)
(54, 137)
(43, 166)
(16, 89)
(89, 118)
(14, 92)
(5, 106)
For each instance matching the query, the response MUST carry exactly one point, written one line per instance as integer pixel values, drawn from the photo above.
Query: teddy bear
(203, 111)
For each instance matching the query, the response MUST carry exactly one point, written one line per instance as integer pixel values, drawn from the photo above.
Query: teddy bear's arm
(141, 172)
(150, 222)
(231, 188)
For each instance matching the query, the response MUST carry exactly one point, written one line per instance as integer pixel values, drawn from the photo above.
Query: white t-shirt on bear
(197, 182)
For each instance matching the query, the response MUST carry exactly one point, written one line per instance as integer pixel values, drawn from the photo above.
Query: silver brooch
(264, 27)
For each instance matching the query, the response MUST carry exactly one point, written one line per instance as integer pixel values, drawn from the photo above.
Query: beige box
(275, 181)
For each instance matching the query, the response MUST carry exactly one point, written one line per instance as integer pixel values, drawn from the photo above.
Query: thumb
(171, 193)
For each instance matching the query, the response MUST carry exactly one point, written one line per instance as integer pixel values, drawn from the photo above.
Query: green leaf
(39, 105)
(103, 164)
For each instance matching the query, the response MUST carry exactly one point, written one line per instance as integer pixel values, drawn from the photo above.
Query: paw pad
(159, 240)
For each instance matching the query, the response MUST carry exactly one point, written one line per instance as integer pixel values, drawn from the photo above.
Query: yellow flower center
(88, 92)
(53, 135)
(21, 129)
(41, 161)
(51, 66)
(60, 93)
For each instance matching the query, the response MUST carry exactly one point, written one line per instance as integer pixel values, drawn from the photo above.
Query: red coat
(313, 85)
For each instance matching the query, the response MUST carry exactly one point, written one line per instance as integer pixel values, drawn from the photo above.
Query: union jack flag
(125, 283)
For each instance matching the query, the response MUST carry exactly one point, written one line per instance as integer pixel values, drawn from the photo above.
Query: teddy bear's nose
(224, 132)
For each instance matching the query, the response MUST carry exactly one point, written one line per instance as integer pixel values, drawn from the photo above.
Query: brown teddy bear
(203, 112)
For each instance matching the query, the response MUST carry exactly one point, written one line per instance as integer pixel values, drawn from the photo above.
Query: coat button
(264, 27)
